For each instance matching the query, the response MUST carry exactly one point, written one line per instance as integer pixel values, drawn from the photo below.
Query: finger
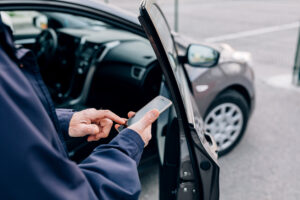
(93, 114)
(96, 137)
(117, 127)
(131, 114)
(149, 136)
(87, 129)
(106, 125)
(110, 115)
(99, 136)
(92, 138)
(148, 119)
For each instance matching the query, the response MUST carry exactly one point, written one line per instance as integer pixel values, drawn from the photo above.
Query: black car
(106, 63)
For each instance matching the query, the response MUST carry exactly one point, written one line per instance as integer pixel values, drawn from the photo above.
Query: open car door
(188, 159)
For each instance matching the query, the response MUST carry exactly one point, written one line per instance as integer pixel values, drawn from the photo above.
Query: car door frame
(201, 158)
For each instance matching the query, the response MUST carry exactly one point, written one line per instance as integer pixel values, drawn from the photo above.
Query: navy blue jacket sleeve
(33, 161)
(105, 163)
(64, 117)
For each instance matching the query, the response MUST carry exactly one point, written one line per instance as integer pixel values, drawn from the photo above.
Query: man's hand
(143, 126)
(92, 122)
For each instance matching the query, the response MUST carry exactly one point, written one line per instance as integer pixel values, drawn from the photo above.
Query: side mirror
(40, 22)
(201, 56)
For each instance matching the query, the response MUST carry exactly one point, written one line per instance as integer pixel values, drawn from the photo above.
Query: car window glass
(21, 22)
(164, 34)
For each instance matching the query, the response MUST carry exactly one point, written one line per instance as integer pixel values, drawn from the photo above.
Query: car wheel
(226, 120)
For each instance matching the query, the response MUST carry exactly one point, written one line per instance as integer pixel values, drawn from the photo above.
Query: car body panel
(230, 73)
(212, 82)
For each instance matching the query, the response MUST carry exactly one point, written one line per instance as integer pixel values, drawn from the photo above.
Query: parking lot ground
(265, 164)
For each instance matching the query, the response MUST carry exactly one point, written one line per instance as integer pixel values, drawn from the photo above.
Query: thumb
(148, 119)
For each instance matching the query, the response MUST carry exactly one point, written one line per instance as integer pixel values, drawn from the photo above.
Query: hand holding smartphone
(160, 103)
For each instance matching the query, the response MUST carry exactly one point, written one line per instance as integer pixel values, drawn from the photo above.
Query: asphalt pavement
(265, 164)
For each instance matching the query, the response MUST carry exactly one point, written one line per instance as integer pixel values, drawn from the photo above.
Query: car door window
(165, 35)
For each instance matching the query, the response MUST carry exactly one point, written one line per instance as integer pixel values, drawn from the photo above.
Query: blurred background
(265, 164)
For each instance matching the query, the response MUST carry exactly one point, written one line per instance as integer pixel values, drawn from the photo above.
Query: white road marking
(255, 32)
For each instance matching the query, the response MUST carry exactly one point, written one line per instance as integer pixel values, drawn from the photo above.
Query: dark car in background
(94, 55)
(225, 93)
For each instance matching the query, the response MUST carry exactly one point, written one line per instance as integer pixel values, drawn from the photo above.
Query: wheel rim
(224, 123)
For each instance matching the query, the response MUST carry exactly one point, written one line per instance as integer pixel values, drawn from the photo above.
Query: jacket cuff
(64, 117)
(129, 142)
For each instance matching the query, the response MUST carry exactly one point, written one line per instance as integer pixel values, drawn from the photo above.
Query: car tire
(226, 120)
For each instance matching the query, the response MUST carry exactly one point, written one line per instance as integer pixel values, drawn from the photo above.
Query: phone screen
(160, 103)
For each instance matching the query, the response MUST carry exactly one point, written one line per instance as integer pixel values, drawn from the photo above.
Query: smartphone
(160, 103)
